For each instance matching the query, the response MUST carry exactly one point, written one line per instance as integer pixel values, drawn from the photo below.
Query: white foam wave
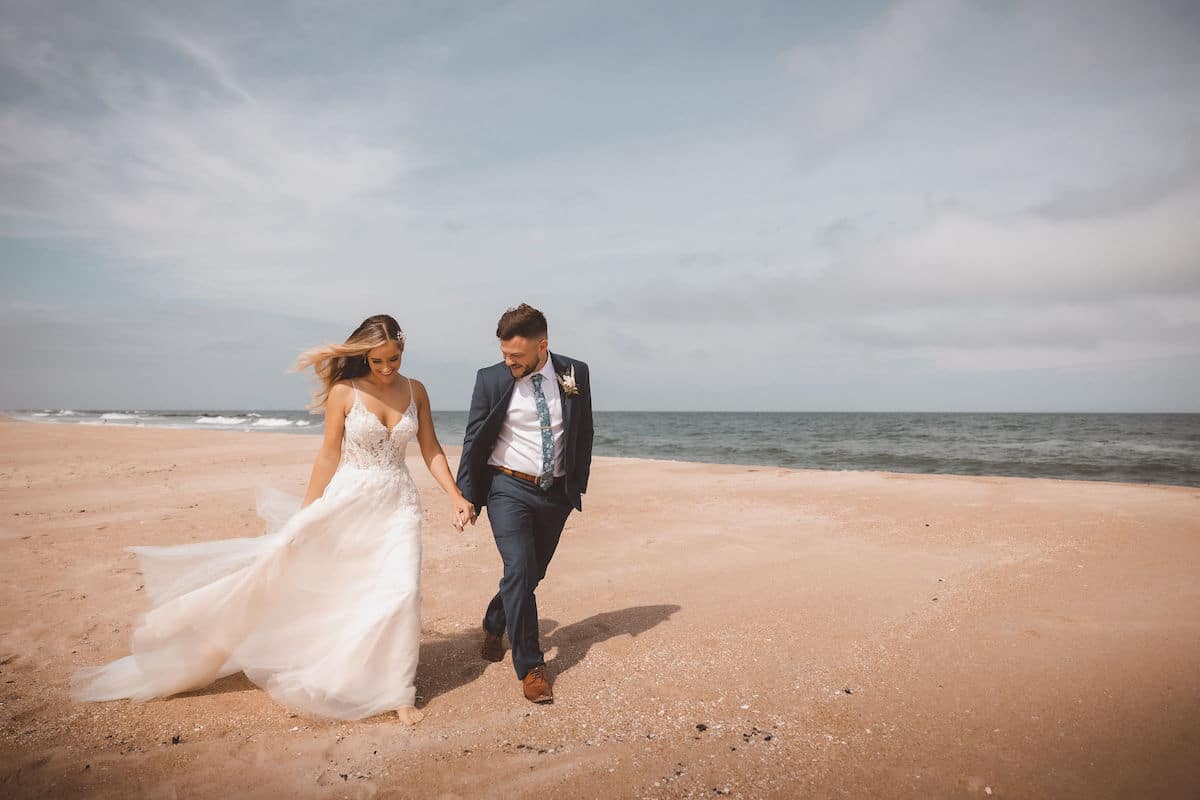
(68, 413)
(117, 415)
(41, 413)
(271, 422)
(302, 423)
(221, 421)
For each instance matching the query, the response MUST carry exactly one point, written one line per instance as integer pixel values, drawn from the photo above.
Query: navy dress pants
(526, 524)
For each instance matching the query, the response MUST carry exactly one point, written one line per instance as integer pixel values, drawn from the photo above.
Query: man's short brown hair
(524, 320)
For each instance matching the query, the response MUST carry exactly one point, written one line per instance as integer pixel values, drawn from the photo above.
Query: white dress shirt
(519, 446)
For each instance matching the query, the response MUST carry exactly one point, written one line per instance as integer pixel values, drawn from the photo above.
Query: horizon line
(620, 411)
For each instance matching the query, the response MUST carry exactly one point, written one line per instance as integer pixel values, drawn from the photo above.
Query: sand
(713, 631)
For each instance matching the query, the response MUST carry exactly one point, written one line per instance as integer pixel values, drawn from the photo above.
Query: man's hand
(464, 512)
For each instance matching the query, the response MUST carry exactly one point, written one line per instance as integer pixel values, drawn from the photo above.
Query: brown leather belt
(525, 476)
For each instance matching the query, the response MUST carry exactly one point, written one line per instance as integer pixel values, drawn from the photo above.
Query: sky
(924, 205)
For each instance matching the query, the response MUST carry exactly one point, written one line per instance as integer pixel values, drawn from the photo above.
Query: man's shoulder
(561, 361)
(494, 375)
(493, 370)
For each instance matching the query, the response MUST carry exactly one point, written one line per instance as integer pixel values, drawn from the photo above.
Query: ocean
(1132, 448)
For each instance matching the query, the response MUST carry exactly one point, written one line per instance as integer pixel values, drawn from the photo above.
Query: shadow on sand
(453, 661)
(448, 662)
(237, 682)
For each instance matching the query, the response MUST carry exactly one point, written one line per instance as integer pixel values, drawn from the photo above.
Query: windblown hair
(524, 320)
(340, 362)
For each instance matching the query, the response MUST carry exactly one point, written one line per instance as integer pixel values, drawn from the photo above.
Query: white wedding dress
(322, 611)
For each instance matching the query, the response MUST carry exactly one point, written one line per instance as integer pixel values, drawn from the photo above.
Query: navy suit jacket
(489, 406)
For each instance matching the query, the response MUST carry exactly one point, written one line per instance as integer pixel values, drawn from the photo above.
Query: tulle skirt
(322, 611)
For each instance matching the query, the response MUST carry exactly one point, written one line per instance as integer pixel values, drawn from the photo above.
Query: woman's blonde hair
(340, 362)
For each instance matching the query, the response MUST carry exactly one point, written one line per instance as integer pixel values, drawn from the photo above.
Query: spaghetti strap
(412, 397)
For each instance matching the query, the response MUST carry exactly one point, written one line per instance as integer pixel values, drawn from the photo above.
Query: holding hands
(464, 513)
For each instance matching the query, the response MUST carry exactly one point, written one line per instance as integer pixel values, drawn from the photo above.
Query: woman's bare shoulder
(339, 393)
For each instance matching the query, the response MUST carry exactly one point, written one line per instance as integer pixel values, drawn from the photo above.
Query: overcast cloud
(920, 205)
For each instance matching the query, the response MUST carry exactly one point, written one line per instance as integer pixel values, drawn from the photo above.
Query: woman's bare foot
(410, 715)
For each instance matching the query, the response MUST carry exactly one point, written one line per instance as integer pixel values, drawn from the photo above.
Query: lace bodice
(368, 444)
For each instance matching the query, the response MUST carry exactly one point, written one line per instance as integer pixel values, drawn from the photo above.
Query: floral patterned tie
(546, 477)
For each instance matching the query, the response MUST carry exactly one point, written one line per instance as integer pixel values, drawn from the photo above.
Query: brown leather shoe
(537, 685)
(493, 646)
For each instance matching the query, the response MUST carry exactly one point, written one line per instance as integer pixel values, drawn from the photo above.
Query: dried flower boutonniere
(567, 381)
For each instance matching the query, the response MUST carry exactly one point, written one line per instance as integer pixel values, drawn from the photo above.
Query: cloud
(1130, 192)
(627, 346)
(1065, 230)
(978, 184)
(959, 258)
(194, 182)
(836, 234)
(1017, 81)
(1122, 44)
(212, 62)
(154, 354)
(1063, 327)
(846, 84)
(1125, 285)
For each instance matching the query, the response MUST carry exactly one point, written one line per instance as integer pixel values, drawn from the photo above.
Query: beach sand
(714, 631)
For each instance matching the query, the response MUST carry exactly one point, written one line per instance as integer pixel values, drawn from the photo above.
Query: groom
(526, 456)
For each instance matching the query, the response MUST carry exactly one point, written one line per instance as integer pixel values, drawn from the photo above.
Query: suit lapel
(568, 406)
(506, 385)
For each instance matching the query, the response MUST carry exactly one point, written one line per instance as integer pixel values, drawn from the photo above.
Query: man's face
(524, 356)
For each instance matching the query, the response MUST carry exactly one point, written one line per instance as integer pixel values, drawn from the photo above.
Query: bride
(323, 610)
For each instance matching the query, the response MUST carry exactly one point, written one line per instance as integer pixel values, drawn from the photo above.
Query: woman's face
(384, 362)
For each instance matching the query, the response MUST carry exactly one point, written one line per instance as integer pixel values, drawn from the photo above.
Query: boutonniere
(567, 381)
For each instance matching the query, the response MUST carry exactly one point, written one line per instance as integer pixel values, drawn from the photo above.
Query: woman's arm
(435, 459)
(331, 445)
